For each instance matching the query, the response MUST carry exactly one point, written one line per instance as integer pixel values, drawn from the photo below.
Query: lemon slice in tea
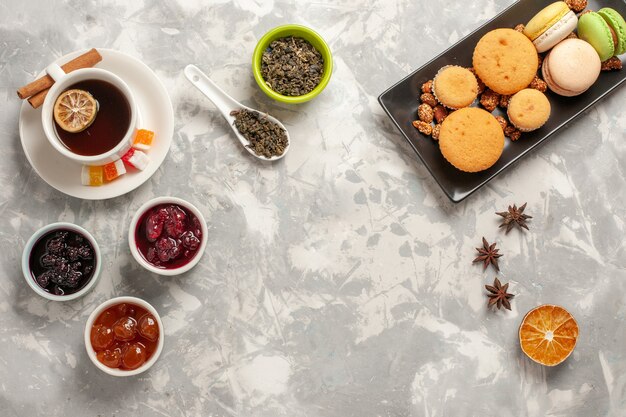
(75, 110)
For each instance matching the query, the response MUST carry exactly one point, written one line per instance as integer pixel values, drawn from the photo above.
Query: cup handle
(55, 72)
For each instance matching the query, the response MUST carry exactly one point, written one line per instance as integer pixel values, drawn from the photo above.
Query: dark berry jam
(124, 336)
(168, 236)
(62, 262)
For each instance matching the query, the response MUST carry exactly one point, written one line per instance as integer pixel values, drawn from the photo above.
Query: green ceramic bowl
(301, 32)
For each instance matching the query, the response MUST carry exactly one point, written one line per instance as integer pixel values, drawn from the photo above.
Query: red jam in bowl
(124, 336)
(168, 236)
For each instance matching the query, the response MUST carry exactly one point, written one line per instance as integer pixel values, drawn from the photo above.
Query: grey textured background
(337, 282)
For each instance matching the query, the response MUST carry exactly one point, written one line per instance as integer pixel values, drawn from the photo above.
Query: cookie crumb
(520, 28)
(502, 121)
(440, 113)
(512, 133)
(612, 64)
(429, 99)
(436, 131)
(577, 5)
(427, 87)
(425, 113)
(538, 84)
(489, 100)
(425, 128)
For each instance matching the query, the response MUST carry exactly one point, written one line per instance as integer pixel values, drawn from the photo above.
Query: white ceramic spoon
(225, 104)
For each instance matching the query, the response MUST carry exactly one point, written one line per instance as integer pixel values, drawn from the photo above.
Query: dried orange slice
(75, 110)
(548, 334)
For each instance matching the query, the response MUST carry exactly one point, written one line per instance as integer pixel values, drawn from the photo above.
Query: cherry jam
(124, 336)
(168, 236)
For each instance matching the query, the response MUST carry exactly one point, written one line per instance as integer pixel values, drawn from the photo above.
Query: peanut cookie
(429, 99)
(425, 113)
(423, 127)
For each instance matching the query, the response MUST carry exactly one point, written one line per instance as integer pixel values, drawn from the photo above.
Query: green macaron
(617, 23)
(593, 28)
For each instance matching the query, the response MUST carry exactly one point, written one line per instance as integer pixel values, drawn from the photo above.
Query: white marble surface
(337, 282)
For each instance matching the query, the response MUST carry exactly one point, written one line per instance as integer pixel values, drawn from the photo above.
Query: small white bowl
(92, 353)
(38, 235)
(133, 244)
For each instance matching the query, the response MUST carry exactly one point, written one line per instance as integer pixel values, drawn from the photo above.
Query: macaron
(571, 67)
(605, 31)
(528, 110)
(551, 25)
(618, 28)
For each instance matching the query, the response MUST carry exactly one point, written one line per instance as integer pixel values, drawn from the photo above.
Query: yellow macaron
(551, 25)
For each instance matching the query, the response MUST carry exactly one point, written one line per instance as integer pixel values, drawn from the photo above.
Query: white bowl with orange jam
(124, 336)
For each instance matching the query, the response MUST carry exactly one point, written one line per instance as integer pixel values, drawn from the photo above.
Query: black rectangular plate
(401, 100)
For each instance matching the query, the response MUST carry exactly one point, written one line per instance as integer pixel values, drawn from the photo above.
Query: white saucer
(157, 115)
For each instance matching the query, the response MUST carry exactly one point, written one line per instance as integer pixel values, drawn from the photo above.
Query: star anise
(498, 295)
(514, 217)
(488, 254)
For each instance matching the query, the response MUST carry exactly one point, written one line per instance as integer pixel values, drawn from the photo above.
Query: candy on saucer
(114, 170)
(136, 159)
(143, 139)
(92, 175)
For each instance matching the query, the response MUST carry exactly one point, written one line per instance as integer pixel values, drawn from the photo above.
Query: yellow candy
(92, 175)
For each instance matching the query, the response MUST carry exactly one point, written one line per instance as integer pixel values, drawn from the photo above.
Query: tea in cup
(89, 115)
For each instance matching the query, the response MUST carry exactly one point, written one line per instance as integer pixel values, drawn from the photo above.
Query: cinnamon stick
(40, 85)
(37, 100)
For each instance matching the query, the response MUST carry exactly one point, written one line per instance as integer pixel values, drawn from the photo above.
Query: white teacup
(62, 81)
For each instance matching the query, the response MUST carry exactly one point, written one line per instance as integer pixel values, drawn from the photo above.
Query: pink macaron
(571, 67)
